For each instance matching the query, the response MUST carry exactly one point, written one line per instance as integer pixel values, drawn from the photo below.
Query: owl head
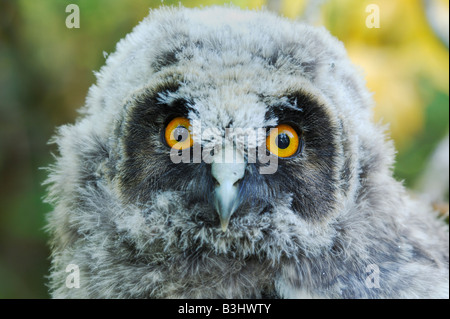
(235, 132)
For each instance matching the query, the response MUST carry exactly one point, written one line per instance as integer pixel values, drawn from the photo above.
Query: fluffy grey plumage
(139, 225)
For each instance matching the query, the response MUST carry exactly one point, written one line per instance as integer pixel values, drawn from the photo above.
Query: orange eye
(178, 133)
(283, 141)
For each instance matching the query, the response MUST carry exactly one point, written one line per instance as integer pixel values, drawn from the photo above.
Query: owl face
(229, 146)
(229, 134)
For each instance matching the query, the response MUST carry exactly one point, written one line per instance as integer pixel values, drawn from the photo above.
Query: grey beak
(226, 192)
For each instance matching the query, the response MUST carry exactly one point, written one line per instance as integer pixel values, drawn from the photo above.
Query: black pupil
(282, 141)
(180, 134)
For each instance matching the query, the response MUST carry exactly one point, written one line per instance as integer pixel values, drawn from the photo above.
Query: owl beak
(226, 191)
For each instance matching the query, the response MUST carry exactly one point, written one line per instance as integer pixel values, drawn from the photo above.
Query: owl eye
(283, 141)
(178, 133)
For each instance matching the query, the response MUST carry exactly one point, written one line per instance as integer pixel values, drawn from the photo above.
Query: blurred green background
(46, 70)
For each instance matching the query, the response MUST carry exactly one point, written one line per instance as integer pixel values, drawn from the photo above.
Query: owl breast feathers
(226, 153)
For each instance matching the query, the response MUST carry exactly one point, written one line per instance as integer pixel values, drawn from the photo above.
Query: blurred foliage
(46, 70)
